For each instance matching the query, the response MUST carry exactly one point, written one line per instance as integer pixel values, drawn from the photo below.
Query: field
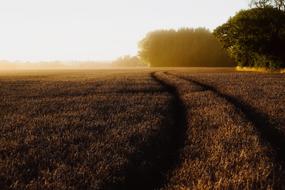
(142, 129)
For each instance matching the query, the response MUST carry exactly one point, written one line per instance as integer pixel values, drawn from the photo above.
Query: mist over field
(53, 65)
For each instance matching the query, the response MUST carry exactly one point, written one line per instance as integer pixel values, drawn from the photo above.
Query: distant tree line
(185, 47)
(128, 61)
(256, 37)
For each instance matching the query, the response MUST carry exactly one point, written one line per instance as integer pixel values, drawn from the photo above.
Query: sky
(46, 30)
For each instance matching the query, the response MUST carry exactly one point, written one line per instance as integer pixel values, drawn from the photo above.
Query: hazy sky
(97, 29)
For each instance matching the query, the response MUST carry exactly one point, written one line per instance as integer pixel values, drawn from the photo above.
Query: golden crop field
(169, 128)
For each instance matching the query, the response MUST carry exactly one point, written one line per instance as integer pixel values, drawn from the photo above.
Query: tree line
(182, 48)
(128, 61)
(252, 38)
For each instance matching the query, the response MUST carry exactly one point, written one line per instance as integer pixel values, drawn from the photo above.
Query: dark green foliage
(255, 37)
(183, 48)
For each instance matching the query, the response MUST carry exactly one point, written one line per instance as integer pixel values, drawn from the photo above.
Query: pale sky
(38, 30)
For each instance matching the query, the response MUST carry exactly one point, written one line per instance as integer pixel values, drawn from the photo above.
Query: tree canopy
(255, 37)
(185, 47)
(278, 4)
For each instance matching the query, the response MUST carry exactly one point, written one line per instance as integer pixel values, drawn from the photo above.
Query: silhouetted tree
(279, 4)
(255, 37)
(260, 3)
(184, 48)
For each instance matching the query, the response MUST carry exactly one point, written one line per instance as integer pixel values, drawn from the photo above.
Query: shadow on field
(269, 133)
(149, 167)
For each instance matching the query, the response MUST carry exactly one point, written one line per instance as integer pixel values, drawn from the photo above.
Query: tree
(255, 37)
(261, 3)
(128, 61)
(185, 47)
(279, 4)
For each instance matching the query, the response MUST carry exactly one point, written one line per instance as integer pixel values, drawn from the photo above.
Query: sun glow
(34, 30)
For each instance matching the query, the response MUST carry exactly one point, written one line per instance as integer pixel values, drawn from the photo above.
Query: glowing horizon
(49, 30)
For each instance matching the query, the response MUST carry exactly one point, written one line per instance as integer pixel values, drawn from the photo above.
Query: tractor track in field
(161, 158)
(156, 176)
(260, 121)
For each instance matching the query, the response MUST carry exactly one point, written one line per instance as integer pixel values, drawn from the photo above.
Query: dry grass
(252, 69)
(258, 69)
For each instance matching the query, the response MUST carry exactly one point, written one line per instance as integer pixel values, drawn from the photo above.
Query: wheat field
(168, 128)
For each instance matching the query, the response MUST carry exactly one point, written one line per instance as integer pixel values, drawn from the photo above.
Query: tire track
(221, 142)
(161, 154)
(169, 158)
(260, 121)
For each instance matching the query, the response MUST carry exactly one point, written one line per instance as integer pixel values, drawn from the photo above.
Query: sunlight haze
(35, 30)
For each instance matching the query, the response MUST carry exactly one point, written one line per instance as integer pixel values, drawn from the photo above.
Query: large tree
(183, 48)
(255, 37)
